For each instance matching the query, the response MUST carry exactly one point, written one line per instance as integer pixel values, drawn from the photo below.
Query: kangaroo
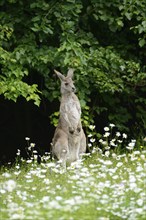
(69, 140)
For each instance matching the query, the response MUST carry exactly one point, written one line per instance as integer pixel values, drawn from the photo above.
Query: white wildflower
(108, 162)
(118, 134)
(89, 145)
(28, 176)
(132, 179)
(131, 146)
(92, 127)
(35, 157)
(112, 125)
(106, 128)
(107, 134)
(90, 135)
(139, 210)
(115, 177)
(46, 181)
(32, 145)
(10, 185)
(34, 188)
(59, 198)
(142, 156)
(119, 164)
(120, 141)
(107, 153)
(140, 202)
(100, 140)
(137, 152)
(17, 167)
(54, 204)
(114, 155)
(113, 144)
(6, 175)
(139, 169)
(124, 135)
(18, 152)
(29, 161)
(17, 216)
(2, 191)
(118, 157)
(27, 138)
(92, 140)
(45, 199)
(17, 173)
(92, 165)
(107, 148)
(104, 143)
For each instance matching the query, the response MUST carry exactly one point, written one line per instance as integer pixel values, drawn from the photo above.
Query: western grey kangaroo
(69, 140)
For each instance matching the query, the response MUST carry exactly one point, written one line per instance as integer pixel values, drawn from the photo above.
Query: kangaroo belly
(72, 113)
(74, 116)
(74, 146)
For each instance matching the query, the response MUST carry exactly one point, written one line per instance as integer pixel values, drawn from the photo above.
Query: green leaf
(142, 42)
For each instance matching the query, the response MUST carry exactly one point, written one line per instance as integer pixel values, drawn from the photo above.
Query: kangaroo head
(67, 84)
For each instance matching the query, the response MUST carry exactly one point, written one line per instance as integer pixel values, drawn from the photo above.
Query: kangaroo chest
(72, 111)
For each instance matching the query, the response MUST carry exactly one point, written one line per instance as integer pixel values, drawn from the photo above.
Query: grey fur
(69, 140)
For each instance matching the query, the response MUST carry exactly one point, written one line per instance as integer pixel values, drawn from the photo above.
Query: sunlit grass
(99, 187)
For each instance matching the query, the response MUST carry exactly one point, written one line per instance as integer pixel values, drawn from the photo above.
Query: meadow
(101, 186)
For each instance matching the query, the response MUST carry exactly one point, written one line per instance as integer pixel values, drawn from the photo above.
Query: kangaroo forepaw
(79, 129)
(71, 130)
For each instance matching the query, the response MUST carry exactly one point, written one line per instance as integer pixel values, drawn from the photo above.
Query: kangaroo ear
(60, 76)
(70, 73)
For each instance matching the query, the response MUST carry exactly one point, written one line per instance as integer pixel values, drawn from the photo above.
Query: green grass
(99, 188)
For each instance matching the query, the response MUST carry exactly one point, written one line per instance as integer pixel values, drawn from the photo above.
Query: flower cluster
(114, 141)
(106, 185)
(105, 188)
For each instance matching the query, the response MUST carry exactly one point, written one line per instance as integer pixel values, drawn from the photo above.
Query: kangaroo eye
(66, 84)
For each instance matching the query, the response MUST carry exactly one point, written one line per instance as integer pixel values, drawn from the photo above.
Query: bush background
(104, 41)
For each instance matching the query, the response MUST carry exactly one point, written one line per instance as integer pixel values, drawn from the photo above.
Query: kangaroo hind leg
(61, 152)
